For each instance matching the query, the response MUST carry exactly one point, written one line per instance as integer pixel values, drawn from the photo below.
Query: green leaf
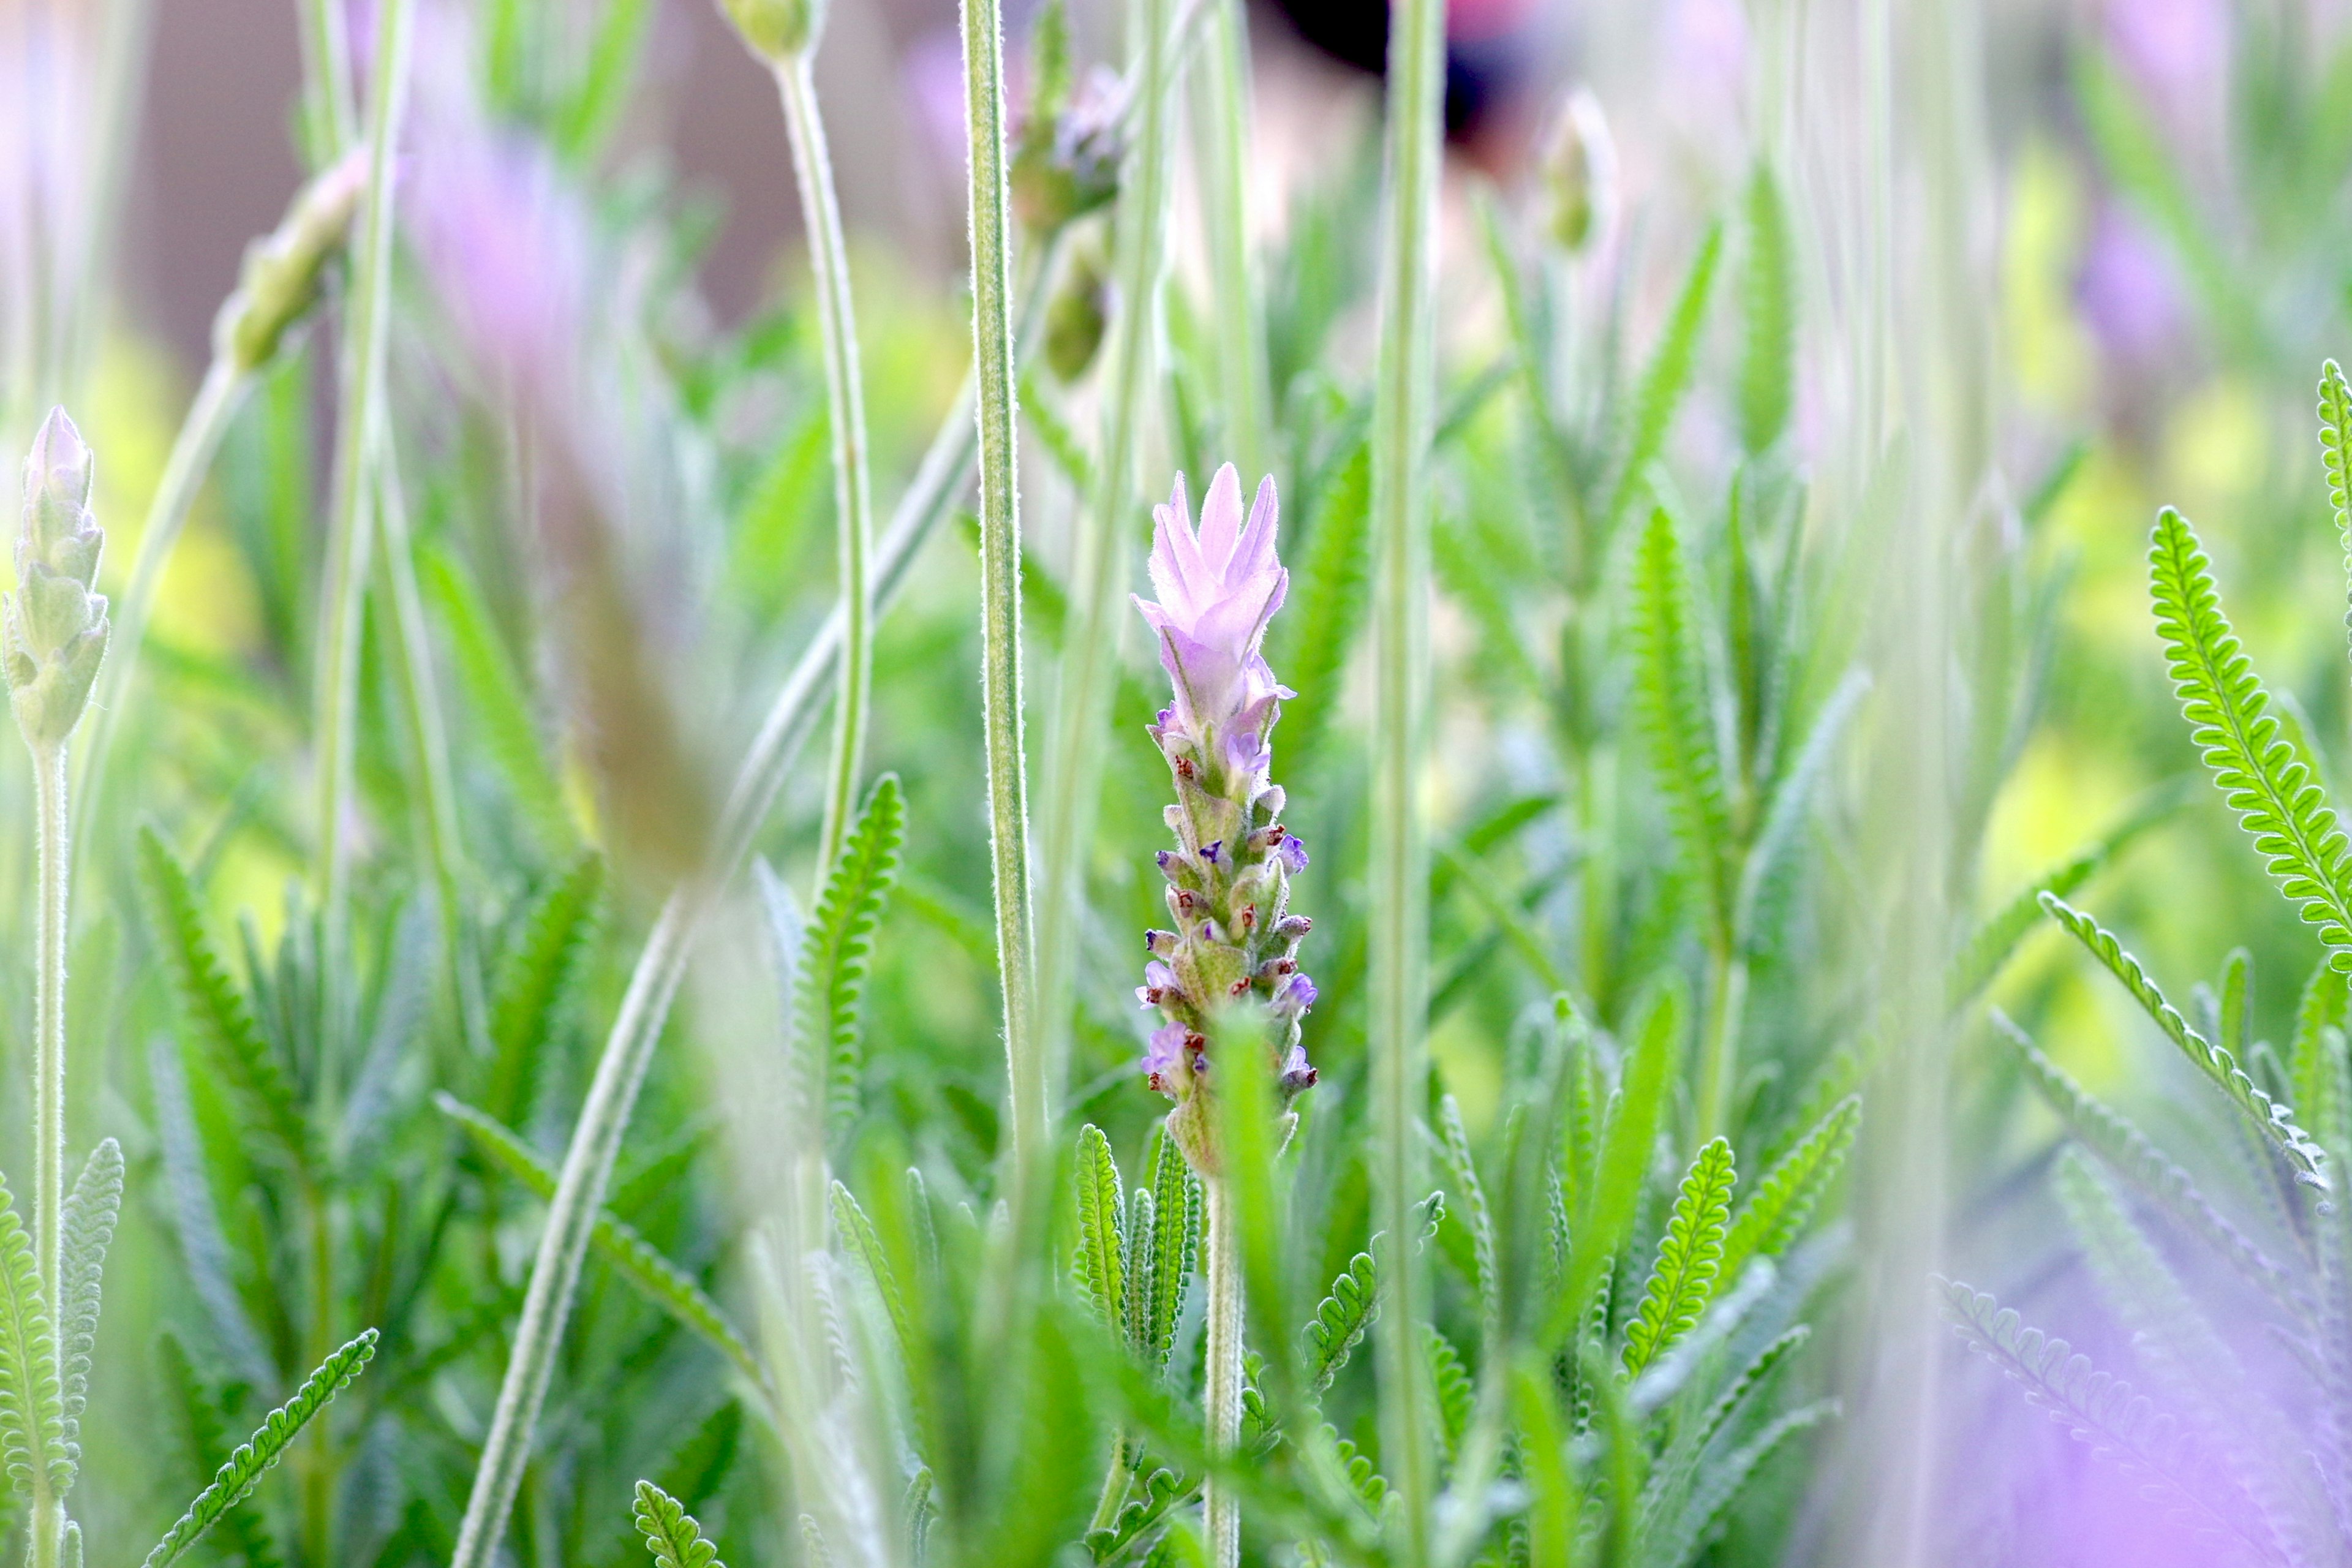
(2327, 1005)
(1102, 1238)
(1676, 1542)
(495, 692)
(1671, 706)
(202, 1415)
(2266, 782)
(1138, 1250)
(840, 943)
(1178, 1206)
(2129, 1152)
(1462, 1173)
(662, 1282)
(1340, 1321)
(215, 1009)
(1605, 1212)
(1449, 1380)
(1791, 798)
(2272, 1120)
(1768, 352)
(86, 1228)
(32, 1417)
(671, 1532)
(1690, 1257)
(1668, 375)
(2334, 431)
(236, 1480)
(864, 1243)
(536, 976)
(1776, 1210)
(1331, 588)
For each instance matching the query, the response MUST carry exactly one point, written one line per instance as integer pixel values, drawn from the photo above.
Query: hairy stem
(845, 399)
(350, 521)
(49, 924)
(1400, 848)
(1223, 1353)
(330, 120)
(997, 411)
(628, 1048)
(1082, 709)
(1719, 1060)
(1224, 130)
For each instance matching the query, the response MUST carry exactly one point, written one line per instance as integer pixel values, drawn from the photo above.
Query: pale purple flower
(1218, 588)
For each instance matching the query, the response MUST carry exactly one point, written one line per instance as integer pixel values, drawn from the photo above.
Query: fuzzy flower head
(1218, 588)
(1232, 960)
(55, 626)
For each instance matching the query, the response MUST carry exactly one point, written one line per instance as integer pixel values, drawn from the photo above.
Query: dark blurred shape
(1489, 63)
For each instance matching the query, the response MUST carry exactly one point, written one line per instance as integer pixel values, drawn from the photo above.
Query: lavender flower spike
(1229, 876)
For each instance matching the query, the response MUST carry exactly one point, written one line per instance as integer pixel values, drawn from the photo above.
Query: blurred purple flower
(2129, 290)
(2179, 49)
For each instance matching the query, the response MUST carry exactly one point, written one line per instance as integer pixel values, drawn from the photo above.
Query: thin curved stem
(1401, 420)
(350, 521)
(1082, 701)
(1237, 310)
(654, 982)
(1223, 1353)
(845, 398)
(997, 409)
(49, 926)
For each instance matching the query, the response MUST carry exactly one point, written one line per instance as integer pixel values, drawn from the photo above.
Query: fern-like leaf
(86, 1229)
(1677, 1541)
(864, 1243)
(534, 978)
(32, 1415)
(659, 1280)
(1178, 1207)
(495, 692)
(840, 943)
(2274, 1120)
(1668, 375)
(1331, 586)
(671, 1534)
(2127, 1152)
(1783, 1200)
(2334, 431)
(1163, 1491)
(2268, 785)
(215, 1009)
(1340, 1321)
(236, 1480)
(1671, 704)
(1768, 353)
(1449, 1379)
(1102, 1240)
(2327, 1005)
(1461, 1172)
(1690, 1257)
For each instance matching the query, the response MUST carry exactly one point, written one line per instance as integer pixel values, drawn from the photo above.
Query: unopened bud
(1076, 320)
(280, 280)
(1579, 172)
(1066, 164)
(776, 29)
(55, 628)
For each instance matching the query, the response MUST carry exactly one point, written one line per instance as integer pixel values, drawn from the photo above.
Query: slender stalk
(350, 521)
(660, 966)
(49, 926)
(997, 410)
(209, 415)
(330, 117)
(1719, 1057)
(1237, 310)
(1223, 1353)
(1082, 708)
(421, 697)
(845, 398)
(1399, 848)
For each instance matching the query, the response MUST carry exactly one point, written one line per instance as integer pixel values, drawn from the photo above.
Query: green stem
(350, 522)
(1115, 1485)
(318, 1459)
(654, 982)
(1223, 1353)
(1399, 848)
(330, 117)
(192, 449)
(846, 397)
(1224, 133)
(49, 925)
(1719, 1062)
(1082, 707)
(422, 699)
(997, 411)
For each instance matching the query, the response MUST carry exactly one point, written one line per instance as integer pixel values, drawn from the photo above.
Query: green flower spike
(56, 625)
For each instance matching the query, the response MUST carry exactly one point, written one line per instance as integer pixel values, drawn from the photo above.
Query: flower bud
(280, 281)
(776, 29)
(55, 626)
(1065, 160)
(1076, 320)
(1579, 172)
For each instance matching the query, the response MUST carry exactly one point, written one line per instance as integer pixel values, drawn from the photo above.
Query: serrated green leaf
(236, 1480)
(1769, 350)
(1342, 1319)
(2334, 431)
(1178, 1206)
(671, 1532)
(1462, 1173)
(1671, 705)
(538, 973)
(1690, 1259)
(864, 1243)
(1605, 1211)
(32, 1417)
(1783, 1200)
(1667, 376)
(205, 1430)
(659, 1280)
(86, 1228)
(840, 944)
(2325, 1005)
(215, 1010)
(1102, 1240)
(1449, 1381)
(2219, 1066)
(1331, 586)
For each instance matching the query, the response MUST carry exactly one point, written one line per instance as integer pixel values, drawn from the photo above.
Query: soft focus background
(2152, 201)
